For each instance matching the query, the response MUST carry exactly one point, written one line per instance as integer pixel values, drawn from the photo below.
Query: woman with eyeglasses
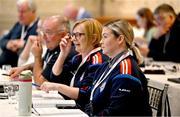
(86, 36)
(120, 88)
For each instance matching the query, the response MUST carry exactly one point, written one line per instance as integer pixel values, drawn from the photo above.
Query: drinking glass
(6, 68)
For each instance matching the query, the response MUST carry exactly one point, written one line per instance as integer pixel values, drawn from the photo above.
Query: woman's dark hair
(148, 15)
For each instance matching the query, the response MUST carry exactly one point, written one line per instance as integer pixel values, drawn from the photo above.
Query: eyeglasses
(77, 35)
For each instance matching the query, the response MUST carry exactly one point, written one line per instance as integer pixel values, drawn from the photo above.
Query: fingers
(65, 41)
(14, 73)
(47, 86)
(44, 87)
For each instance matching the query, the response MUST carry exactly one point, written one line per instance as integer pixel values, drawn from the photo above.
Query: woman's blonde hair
(93, 30)
(122, 27)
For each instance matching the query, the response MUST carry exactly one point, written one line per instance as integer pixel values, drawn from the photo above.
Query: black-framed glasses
(77, 35)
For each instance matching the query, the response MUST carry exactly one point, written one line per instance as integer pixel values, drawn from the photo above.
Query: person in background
(119, 87)
(165, 43)
(54, 28)
(145, 20)
(75, 13)
(26, 56)
(13, 42)
(86, 35)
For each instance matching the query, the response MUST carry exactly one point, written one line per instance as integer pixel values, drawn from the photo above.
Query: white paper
(43, 103)
(60, 112)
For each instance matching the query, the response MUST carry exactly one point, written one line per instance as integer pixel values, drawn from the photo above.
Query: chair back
(158, 100)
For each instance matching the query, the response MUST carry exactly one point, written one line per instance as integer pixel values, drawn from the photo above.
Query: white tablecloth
(173, 90)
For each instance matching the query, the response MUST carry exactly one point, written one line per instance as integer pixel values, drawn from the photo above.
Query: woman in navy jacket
(86, 36)
(120, 88)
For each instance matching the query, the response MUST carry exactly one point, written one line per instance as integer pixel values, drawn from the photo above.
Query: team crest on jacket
(102, 86)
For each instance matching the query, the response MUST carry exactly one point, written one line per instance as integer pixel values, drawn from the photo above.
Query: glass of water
(6, 68)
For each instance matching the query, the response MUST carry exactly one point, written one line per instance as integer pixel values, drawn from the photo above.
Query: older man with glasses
(52, 31)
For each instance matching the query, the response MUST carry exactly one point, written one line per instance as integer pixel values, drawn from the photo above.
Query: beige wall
(118, 8)
(128, 8)
(46, 8)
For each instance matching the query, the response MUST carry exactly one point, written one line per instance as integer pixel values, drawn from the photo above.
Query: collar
(31, 24)
(113, 60)
(54, 51)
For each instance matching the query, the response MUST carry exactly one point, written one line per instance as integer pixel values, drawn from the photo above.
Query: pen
(35, 85)
(5, 74)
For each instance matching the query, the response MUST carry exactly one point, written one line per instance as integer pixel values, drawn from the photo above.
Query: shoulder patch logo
(124, 90)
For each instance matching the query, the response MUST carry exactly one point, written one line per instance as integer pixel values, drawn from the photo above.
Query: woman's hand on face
(65, 45)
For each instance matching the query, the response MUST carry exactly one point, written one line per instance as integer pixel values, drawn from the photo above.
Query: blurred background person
(145, 20)
(12, 43)
(26, 56)
(53, 29)
(86, 36)
(75, 13)
(166, 40)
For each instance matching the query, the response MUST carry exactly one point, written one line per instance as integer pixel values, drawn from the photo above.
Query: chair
(158, 100)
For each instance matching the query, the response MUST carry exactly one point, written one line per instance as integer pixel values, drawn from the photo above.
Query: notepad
(46, 103)
(60, 112)
(50, 95)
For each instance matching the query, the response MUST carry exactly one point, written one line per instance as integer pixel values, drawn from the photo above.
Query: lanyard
(166, 41)
(48, 58)
(82, 63)
(24, 32)
(102, 78)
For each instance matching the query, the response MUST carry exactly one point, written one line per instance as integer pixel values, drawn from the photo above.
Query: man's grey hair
(63, 22)
(31, 4)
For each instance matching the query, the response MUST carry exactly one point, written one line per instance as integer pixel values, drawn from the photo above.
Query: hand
(31, 40)
(11, 45)
(20, 43)
(65, 45)
(37, 49)
(48, 86)
(160, 30)
(14, 72)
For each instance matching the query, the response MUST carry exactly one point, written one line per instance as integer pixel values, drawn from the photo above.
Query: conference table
(8, 109)
(159, 80)
(156, 80)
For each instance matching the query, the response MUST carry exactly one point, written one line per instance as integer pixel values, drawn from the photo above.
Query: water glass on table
(6, 69)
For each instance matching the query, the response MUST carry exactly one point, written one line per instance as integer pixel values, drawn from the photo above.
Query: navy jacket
(49, 60)
(7, 56)
(80, 80)
(172, 47)
(123, 93)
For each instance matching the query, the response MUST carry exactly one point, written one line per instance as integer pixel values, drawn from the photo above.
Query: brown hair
(148, 15)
